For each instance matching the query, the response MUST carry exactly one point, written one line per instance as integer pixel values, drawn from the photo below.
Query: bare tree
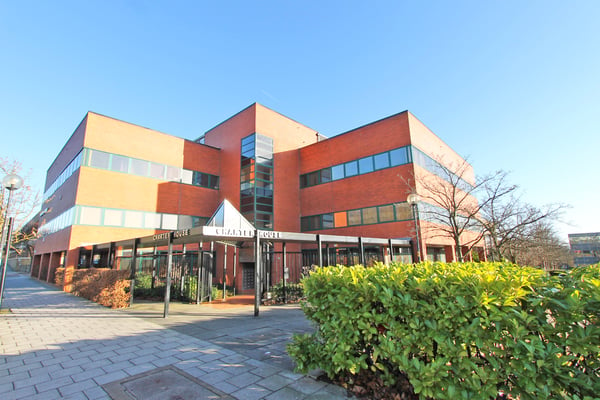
(540, 247)
(510, 224)
(23, 203)
(450, 202)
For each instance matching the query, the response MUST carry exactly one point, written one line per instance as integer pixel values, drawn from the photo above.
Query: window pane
(119, 163)
(113, 217)
(139, 167)
(157, 171)
(354, 217)
(337, 172)
(90, 216)
(173, 173)
(203, 180)
(214, 182)
(327, 220)
(341, 219)
(403, 212)
(351, 168)
(382, 161)
(169, 221)
(313, 178)
(386, 213)
(134, 219)
(399, 156)
(184, 222)
(325, 175)
(152, 220)
(365, 165)
(186, 176)
(369, 215)
(99, 159)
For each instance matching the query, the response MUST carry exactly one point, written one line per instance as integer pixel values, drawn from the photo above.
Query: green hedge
(469, 330)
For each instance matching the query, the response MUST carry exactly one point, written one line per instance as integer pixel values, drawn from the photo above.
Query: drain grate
(169, 383)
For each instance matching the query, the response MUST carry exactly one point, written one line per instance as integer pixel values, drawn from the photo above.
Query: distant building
(114, 180)
(585, 248)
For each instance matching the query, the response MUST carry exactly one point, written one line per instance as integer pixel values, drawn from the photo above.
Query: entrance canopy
(228, 226)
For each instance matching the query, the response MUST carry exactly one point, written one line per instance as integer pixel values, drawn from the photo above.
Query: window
(152, 221)
(139, 167)
(365, 165)
(337, 172)
(351, 168)
(354, 217)
(186, 176)
(173, 173)
(99, 159)
(310, 223)
(369, 215)
(113, 217)
(382, 160)
(90, 215)
(169, 221)
(399, 156)
(327, 221)
(157, 171)
(386, 213)
(119, 163)
(134, 219)
(403, 212)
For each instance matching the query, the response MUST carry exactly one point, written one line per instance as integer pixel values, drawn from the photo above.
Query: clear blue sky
(512, 85)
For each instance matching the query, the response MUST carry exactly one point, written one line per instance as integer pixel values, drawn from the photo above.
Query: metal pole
(319, 252)
(168, 280)
(5, 263)
(361, 251)
(133, 271)
(225, 273)
(200, 282)
(257, 282)
(285, 273)
(234, 267)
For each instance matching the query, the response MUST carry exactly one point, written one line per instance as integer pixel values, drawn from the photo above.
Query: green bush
(468, 330)
(293, 291)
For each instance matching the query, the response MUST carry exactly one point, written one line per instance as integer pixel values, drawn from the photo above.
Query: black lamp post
(10, 182)
(413, 200)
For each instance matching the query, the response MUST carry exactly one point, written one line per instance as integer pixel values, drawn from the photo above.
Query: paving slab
(54, 345)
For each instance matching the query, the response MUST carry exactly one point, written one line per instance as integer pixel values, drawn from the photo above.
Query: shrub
(59, 276)
(104, 286)
(467, 330)
(293, 292)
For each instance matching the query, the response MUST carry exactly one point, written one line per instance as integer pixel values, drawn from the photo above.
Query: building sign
(228, 232)
(162, 236)
(181, 233)
(269, 235)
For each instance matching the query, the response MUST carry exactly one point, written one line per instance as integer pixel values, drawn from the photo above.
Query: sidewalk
(54, 345)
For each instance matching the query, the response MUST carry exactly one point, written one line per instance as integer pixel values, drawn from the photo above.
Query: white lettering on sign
(269, 235)
(161, 236)
(233, 232)
(181, 233)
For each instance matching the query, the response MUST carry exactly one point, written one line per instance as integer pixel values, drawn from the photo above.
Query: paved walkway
(54, 345)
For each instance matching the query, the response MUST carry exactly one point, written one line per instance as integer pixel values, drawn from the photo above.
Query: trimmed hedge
(469, 330)
(107, 287)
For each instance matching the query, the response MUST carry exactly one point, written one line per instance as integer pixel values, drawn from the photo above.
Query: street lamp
(413, 200)
(11, 182)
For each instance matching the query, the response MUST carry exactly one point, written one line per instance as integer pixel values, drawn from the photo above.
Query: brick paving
(54, 345)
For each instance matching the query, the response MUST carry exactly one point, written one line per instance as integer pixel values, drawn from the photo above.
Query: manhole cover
(167, 383)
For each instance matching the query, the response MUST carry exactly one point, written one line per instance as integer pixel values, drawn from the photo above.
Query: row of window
(98, 216)
(365, 165)
(136, 166)
(118, 163)
(362, 216)
(64, 175)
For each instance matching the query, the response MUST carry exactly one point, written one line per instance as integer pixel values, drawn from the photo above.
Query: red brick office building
(114, 180)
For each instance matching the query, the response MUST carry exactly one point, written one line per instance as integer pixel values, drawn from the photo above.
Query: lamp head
(413, 199)
(12, 182)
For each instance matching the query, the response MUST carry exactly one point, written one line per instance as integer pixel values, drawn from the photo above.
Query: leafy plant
(465, 330)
